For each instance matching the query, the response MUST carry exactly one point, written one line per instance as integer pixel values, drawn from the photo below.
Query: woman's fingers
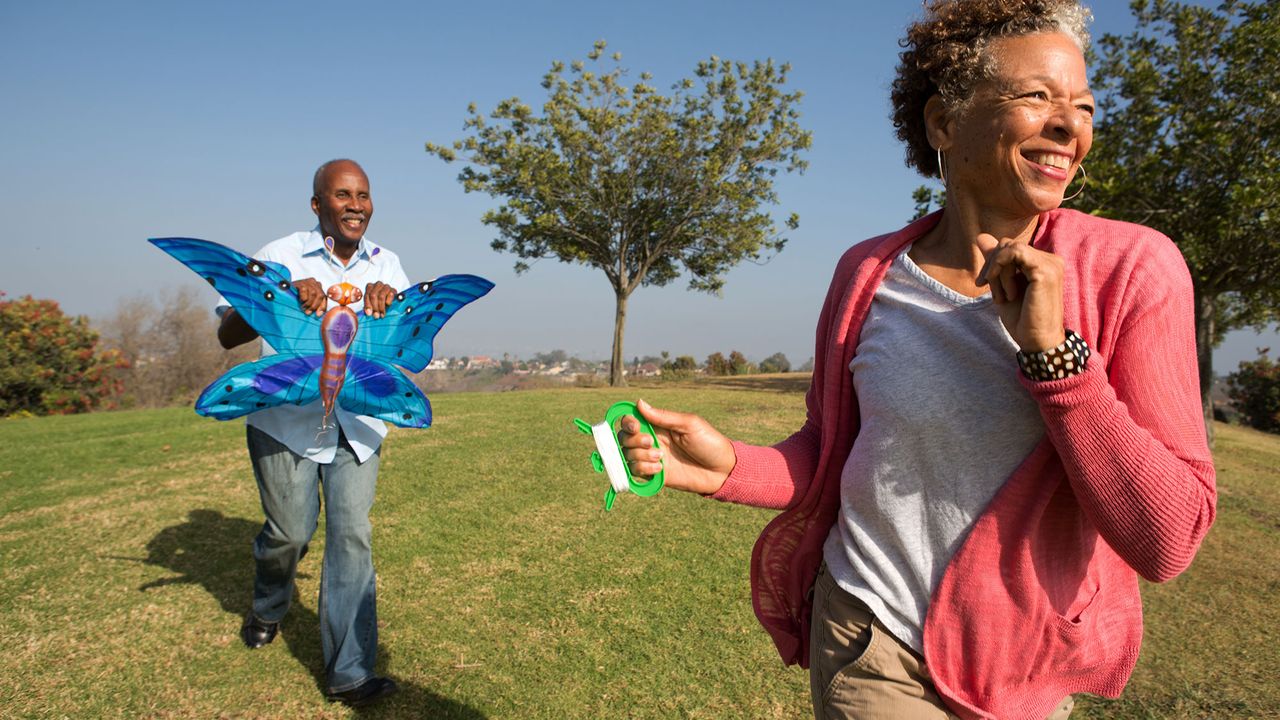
(1026, 285)
(637, 447)
(694, 455)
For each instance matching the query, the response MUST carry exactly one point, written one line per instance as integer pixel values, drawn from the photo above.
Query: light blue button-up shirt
(299, 426)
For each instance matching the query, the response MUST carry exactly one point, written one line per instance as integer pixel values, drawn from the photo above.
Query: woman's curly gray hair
(945, 54)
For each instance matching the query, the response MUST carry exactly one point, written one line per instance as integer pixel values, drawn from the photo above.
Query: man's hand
(378, 296)
(311, 296)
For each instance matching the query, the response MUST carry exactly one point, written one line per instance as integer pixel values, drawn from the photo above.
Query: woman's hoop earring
(1084, 180)
(942, 171)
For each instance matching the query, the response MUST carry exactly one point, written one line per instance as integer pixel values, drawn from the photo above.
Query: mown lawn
(505, 590)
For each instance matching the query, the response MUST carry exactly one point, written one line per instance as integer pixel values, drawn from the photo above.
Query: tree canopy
(49, 363)
(775, 363)
(1186, 142)
(644, 186)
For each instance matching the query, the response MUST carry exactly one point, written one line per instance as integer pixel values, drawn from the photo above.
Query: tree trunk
(1206, 312)
(616, 363)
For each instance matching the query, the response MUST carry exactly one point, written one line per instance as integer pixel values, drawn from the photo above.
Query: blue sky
(131, 120)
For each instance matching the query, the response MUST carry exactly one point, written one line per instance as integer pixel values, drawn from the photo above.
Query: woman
(1004, 426)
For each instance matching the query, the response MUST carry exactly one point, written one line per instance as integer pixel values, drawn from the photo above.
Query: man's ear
(939, 123)
(315, 204)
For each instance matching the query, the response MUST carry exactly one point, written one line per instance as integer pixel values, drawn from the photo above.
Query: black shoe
(369, 691)
(255, 633)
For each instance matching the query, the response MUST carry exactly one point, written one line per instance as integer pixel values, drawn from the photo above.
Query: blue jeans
(290, 487)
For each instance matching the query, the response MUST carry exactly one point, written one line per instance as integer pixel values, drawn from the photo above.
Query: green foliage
(717, 364)
(736, 364)
(1186, 142)
(555, 357)
(1255, 390)
(775, 363)
(926, 199)
(740, 364)
(681, 368)
(49, 363)
(643, 186)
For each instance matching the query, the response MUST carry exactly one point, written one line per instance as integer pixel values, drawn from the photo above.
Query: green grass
(505, 590)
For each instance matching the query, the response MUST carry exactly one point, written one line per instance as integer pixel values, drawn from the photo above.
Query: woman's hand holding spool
(698, 458)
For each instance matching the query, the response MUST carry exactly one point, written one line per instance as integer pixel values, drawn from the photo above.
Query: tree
(638, 184)
(775, 363)
(555, 357)
(718, 364)
(739, 364)
(1186, 143)
(926, 198)
(169, 342)
(49, 363)
(1255, 391)
(682, 367)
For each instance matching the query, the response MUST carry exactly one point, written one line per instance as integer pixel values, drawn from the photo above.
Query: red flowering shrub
(49, 363)
(1255, 391)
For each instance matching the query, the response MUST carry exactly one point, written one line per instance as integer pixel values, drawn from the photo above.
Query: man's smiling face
(342, 203)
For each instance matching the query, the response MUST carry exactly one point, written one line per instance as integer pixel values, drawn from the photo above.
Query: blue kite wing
(268, 382)
(405, 335)
(262, 292)
(379, 390)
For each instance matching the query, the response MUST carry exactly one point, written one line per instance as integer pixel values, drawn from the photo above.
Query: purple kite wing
(380, 390)
(252, 386)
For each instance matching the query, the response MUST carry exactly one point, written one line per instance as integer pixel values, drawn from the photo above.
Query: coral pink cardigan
(1041, 599)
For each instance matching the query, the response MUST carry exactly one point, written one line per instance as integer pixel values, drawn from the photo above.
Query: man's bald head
(317, 180)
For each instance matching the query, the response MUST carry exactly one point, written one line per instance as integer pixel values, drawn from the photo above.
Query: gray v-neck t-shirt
(944, 422)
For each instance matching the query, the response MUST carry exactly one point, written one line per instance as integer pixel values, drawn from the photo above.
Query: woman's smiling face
(1017, 143)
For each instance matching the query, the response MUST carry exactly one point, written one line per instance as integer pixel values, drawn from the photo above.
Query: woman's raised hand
(1026, 285)
(697, 457)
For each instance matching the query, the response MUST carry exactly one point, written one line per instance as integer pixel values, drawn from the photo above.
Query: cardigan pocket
(1083, 617)
(1079, 649)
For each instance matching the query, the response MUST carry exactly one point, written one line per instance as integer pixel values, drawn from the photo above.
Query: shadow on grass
(213, 551)
(782, 383)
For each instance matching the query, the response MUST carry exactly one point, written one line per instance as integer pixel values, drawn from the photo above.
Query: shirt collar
(314, 245)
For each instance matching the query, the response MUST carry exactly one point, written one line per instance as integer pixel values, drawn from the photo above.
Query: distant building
(648, 370)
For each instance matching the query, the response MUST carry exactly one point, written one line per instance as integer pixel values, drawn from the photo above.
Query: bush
(170, 344)
(588, 380)
(682, 368)
(717, 364)
(775, 363)
(1255, 390)
(740, 364)
(50, 363)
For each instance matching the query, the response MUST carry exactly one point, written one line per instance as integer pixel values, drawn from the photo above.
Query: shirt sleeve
(396, 278)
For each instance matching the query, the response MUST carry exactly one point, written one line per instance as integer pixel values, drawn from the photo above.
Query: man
(296, 455)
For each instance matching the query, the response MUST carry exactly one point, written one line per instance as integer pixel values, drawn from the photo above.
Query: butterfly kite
(341, 358)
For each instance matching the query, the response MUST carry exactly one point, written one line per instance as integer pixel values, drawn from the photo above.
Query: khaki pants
(858, 669)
